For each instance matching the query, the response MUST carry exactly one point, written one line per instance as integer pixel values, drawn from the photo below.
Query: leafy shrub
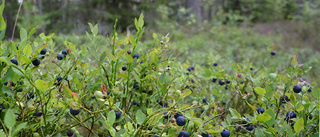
(88, 90)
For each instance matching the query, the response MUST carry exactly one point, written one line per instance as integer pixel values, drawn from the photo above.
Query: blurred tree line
(72, 16)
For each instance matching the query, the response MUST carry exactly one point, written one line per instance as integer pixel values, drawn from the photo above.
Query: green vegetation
(198, 80)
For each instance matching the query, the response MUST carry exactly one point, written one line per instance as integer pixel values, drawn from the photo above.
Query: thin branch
(15, 23)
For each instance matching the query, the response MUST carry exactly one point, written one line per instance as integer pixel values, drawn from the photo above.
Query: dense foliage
(122, 86)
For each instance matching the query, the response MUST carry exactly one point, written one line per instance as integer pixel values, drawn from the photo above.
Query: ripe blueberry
(260, 110)
(226, 87)
(215, 64)
(204, 100)
(189, 69)
(310, 89)
(2, 108)
(214, 80)
(5, 83)
(129, 52)
(273, 53)
(177, 115)
(36, 62)
(297, 89)
(136, 55)
(30, 95)
(124, 68)
(310, 117)
(150, 92)
(43, 51)
(221, 82)
(118, 114)
(184, 134)
(59, 78)
(166, 115)
(181, 121)
(290, 115)
(20, 90)
(38, 114)
(69, 133)
(225, 133)
(136, 85)
(14, 61)
(59, 57)
(64, 52)
(228, 81)
(74, 111)
(250, 128)
(192, 67)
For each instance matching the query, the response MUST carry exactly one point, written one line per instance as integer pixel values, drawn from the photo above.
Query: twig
(217, 116)
(15, 23)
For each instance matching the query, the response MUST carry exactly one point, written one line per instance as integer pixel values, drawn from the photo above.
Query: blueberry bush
(120, 86)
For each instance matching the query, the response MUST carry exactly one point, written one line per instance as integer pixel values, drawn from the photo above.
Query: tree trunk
(194, 5)
(39, 6)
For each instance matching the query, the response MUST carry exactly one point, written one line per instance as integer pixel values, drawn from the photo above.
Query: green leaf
(32, 32)
(20, 126)
(2, 34)
(294, 61)
(259, 133)
(316, 92)
(2, 134)
(41, 85)
(140, 116)
(24, 59)
(260, 91)
(27, 50)
(299, 125)
(263, 117)
(234, 113)
(272, 130)
(111, 117)
(23, 34)
(149, 111)
(2, 23)
(2, 7)
(9, 119)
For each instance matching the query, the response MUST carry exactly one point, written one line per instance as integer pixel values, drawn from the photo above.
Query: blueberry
(177, 115)
(43, 51)
(215, 64)
(310, 89)
(290, 115)
(14, 61)
(204, 100)
(184, 134)
(205, 135)
(69, 133)
(221, 82)
(136, 85)
(228, 81)
(30, 95)
(2, 108)
(42, 57)
(251, 68)
(124, 68)
(192, 80)
(36, 62)
(165, 104)
(226, 87)
(64, 52)
(292, 124)
(74, 112)
(59, 57)
(245, 122)
(225, 133)
(20, 90)
(181, 121)
(192, 67)
(5, 83)
(38, 114)
(223, 103)
(214, 80)
(286, 99)
(297, 89)
(118, 114)
(260, 110)
(250, 128)
(166, 115)
(144, 91)
(150, 92)
(273, 53)
(282, 105)
(129, 52)
(202, 110)
(271, 104)
(59, 78)
(310, 117)
(136, 55)
(189, 69)
(242, 82)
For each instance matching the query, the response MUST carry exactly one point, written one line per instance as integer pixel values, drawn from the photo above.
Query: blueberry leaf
(140, 116)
